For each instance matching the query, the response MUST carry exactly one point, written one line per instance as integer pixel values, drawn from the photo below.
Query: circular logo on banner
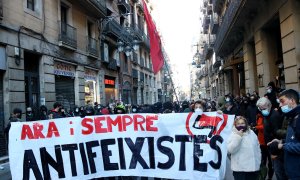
(196, 122)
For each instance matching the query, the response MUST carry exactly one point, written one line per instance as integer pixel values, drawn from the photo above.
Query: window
(33, 7)
(90, 29)
(30, 4)
(63, 13)
(126, 65)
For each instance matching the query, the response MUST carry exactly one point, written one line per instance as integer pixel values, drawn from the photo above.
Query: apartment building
(73, 52)
(256, 42)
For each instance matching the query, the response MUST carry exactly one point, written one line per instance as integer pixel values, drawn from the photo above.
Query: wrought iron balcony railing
(206, 20)
(137, 32)
(146, 41)
(92, 46)
(212, 40)
(227, 21)
(100, 4)
(217, 5)
(123, 6)
(209, 9)
(214, 23)
(67, 35)
(208, 51)
(112, 27)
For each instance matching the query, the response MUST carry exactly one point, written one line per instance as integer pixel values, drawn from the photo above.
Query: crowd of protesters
(265, 139)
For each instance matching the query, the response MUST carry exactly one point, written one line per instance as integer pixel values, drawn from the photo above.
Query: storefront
(110, 89)
(90, 77)
(64, 84)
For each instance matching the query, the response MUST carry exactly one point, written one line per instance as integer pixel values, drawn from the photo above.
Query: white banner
(177, 146)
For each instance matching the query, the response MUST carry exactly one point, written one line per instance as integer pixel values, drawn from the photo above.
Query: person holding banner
(244, 150)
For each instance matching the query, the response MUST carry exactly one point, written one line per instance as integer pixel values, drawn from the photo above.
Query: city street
(149, 88)
(4, 171)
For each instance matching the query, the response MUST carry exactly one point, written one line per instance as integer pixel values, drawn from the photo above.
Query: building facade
(69, 52)
(256, 42)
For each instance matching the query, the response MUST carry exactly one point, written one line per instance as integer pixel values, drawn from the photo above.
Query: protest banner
(176, 146)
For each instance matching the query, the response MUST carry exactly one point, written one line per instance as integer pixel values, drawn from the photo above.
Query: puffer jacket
(292, 145)
(244, 150)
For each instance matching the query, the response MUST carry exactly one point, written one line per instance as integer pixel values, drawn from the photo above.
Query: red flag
(155, 42)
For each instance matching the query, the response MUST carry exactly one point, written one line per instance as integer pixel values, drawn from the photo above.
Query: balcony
(212, 40)
(67, 36)
(123, 6)
(134, 58)
(214, 23)
(100, 4)
(112, 64)
(206, 20)
(217, 63)
(228, 20)
(209, 9)
(137, 32)
(205, 3)
(146, 41)
(208, 51)
(113, 28)
(92, 47)
(218, 5)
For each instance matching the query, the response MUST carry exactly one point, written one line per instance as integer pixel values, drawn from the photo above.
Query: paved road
(5, 171)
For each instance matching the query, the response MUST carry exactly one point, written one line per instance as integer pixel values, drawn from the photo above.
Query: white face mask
(198, 111)
(227, 99)
(269, 90)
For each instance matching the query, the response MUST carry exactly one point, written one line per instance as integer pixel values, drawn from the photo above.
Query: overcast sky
(179, 24)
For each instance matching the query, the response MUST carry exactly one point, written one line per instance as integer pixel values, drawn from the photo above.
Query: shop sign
(90, 75)
(109, 82)
(63, 69)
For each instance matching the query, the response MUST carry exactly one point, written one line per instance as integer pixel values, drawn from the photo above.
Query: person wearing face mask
(272, 122)
(244, 150)
(134, 109)
(230, 108)
(289, 104)
(271, 94)
(43, 115)
(29, 114)
(199, 109)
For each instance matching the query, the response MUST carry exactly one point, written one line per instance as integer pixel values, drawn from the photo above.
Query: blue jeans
(278, 167)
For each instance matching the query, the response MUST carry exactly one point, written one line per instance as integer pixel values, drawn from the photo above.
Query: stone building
(71, 52)
(256, 42)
